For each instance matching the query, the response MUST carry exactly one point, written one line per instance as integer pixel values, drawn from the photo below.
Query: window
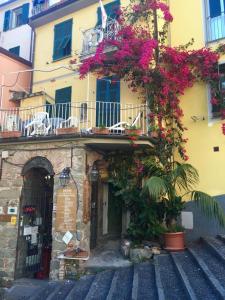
(216, 15)
(111, 11)
(62, 40)
(83, 112)
(16, 17)
(15, 50)
(217, 107)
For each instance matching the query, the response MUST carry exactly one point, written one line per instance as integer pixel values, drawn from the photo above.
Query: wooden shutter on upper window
(214, 8)
(62, 39)
(25, 10)
(7, 20)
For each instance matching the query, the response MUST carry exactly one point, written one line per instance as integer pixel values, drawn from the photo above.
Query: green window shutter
(25, 9)
(15, 50)
(111, 11)
(63, 102)
(7, 20)
(62, 39)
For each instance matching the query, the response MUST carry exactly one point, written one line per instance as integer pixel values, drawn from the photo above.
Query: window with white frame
(215, 19)
(16, 17)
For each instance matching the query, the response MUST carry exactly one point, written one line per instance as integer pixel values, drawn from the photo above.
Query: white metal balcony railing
(93, 36)
(38, 8)
(45, 120)
(216, 28)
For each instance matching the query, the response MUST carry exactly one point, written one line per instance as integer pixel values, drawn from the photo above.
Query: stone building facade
(30, 170)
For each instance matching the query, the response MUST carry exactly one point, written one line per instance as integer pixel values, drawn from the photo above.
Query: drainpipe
(2, 90)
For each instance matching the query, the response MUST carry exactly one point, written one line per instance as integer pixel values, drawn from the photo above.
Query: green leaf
(209, 206)
(185, 176)
(157, 187)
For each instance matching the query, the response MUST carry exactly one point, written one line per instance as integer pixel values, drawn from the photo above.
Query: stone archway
(36, 205)
(38, 162)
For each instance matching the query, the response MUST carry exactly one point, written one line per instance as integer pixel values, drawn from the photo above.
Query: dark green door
(108, 101)
(63, 102)
(114, 214)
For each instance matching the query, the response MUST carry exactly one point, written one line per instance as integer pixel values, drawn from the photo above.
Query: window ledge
(61, 58)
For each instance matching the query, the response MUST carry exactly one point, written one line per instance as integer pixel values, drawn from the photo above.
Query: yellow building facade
(206, 144)
(193, 22)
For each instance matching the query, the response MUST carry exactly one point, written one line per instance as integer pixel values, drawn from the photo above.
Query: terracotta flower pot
(99, 130)
(133, 131)
(174, 241)
(10, 134)
(69, 130)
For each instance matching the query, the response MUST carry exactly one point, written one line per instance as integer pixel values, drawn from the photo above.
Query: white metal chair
(70, 122)
(121, 126)
(40, 124)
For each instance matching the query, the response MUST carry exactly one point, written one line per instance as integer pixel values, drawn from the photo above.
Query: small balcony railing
(38, 8)
(82, 116)
(93, 36)
(216, 28)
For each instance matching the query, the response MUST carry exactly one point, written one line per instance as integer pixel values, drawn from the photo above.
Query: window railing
(84, 116)
(93, 36)
(216, 28)
(38, 8)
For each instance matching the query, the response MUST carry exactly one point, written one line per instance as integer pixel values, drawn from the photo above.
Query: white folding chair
(70, 122)
(40, 124)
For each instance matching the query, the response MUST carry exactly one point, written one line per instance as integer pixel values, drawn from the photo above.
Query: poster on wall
(66, 209)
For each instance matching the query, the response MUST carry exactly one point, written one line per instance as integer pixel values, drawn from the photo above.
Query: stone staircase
(196, 273)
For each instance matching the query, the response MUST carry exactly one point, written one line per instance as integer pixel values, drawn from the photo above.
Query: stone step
(216, 246)
(100, 286)
(121, 284)
(62, 290)
(209, 265)
(171, 283)
(186, 283)
(44, 292)
(146, 285)
(81, 288)
(196, 276)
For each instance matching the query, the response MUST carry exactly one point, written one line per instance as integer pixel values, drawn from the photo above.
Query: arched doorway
(35, 226)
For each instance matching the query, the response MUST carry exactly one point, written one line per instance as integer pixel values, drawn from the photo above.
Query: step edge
(158, 281)
(215, 284)
(184, 278)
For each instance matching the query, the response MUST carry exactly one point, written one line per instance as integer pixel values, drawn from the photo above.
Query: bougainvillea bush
(156, 71)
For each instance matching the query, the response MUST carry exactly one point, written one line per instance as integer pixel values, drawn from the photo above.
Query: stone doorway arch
(35, 227)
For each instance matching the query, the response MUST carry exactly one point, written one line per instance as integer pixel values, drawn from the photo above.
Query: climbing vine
(158, 72)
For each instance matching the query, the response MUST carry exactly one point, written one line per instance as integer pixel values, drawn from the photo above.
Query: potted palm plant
(171, 186)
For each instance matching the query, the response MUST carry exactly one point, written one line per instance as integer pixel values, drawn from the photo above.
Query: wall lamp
(64, 177)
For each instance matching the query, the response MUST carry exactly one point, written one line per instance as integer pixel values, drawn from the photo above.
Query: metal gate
(35, 240)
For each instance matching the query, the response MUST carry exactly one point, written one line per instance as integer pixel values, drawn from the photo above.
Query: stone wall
(61, 155)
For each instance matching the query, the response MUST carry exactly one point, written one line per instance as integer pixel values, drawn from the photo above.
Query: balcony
(81, 118)
(216, 28)
(93, 36)
(44, 5)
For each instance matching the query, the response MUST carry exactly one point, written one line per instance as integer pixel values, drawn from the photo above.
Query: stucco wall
(11, 80)
(20, 36)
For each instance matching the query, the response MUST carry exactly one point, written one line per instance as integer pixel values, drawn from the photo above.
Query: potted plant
(14, 133)
(170, 186)
(69, 126)
(101, 129)
(133, 130)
